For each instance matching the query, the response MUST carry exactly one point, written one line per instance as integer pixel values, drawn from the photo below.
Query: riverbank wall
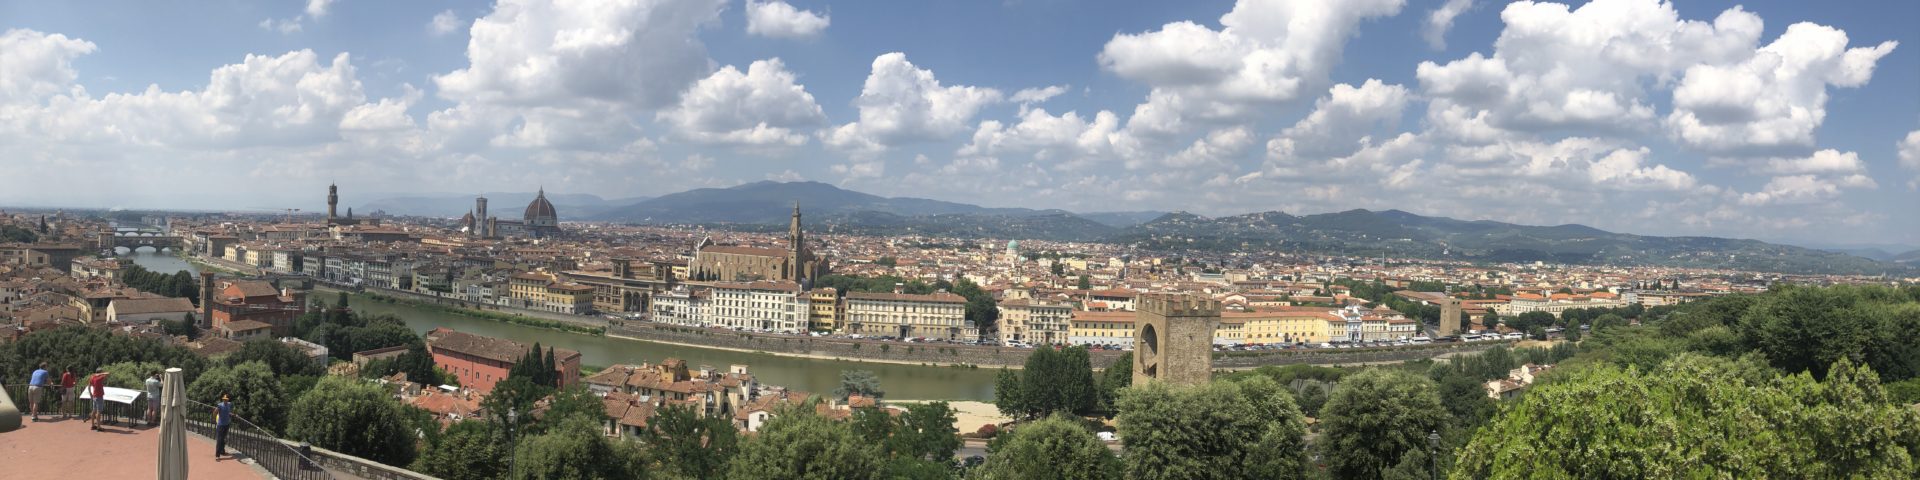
(936, 354)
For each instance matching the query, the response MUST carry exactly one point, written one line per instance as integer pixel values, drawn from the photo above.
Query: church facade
(796, 263)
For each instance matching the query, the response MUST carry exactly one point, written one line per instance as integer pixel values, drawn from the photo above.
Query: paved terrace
(66, 448)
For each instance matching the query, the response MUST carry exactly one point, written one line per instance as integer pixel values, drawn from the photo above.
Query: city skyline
(1769, 120)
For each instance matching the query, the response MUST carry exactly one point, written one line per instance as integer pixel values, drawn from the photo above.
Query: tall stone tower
(799, 260)
(480, 215)
(1449, 317)
(1173, 339)
(333, 201)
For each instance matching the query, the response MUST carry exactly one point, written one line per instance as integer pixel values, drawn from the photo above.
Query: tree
(355, 418)
(281, 358)
(576, 449)
(858, 382)
(131, 374)
(183, 328)
(1118, 375)
(1807, 329)
(1373, 418)
(1085, 283)
(926, 432)
(1606, 321)
(1537, 332)
(1697, 416)
(340, 301)
(517, 395)
(1311, 398)
(574, 401)
(469, 450)
(255, 392)
(83, 348)
(1529, 320)
(799, 444)
(689, 444)
(1056, 447)
(1490, 320)
(1224, 429)
(1052, 381)
(1008, 395)
(1059, 268)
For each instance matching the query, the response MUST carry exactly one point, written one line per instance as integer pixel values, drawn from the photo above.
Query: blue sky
(1774, 120)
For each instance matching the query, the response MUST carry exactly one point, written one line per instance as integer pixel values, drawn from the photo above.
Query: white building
(939, 315)
(1034, 322)
(761, 305)
(681, 306)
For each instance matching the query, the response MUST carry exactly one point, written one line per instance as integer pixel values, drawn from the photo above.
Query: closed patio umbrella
(173, 427)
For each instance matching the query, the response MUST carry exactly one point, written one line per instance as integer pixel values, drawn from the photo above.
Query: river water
(914, 382)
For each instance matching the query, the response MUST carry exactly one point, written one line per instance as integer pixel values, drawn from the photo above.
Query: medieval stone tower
(1449, 317)
(1173, 339)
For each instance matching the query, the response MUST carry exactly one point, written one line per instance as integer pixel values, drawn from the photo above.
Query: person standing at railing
(37, 388)
(68, 408)
(97, 387)
(153, 399)
(222, 417)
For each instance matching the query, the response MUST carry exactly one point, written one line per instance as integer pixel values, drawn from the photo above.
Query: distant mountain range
(1361, 233)
(508, 205)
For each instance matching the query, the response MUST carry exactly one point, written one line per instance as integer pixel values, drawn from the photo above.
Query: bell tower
(333, 201)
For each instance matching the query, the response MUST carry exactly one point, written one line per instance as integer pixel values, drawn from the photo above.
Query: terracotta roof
(252, 288)
(482, 346)
(908, 297)
(132, 306)
(754, 251)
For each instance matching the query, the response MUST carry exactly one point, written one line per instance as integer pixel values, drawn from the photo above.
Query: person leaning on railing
(37, 388)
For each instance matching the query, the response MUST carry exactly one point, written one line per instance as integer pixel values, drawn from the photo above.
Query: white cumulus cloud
(778, 19)
(444, 23)
(762, 106)
(1775, 99)
(901, 102)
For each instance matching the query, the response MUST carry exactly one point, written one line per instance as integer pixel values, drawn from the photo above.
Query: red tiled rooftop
(67, 449)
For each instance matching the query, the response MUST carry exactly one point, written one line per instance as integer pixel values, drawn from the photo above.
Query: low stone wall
(837, 347)
(359, 467)
(990, 356)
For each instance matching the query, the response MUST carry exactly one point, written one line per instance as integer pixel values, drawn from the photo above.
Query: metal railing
(257, 443)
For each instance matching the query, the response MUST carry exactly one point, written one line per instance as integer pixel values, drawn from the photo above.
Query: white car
(1515, 336)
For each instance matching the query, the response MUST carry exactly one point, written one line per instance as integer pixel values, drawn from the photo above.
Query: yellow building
(823, 309)
(545, 291)
(1114, 329)
(1286, 326)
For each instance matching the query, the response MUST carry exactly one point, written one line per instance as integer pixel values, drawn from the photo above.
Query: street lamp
(1433, 455)
(511, 416)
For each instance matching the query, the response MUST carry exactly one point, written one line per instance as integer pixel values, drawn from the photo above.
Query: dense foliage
(256, 394)
(355, 418)
(177, 284)
(1052, 381)
(685, 443)
(280, 358)
(1224, 429)
(798, 444)
(1057, 447)
(1698, 417)
(83, 349)
(466, 451)
(1374, 417)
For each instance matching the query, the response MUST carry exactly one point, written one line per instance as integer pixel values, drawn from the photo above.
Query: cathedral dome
(540, 211)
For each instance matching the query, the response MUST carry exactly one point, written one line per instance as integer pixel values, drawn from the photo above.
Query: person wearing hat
(222, 416)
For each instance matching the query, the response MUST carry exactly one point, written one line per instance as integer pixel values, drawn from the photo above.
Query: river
(909, 382)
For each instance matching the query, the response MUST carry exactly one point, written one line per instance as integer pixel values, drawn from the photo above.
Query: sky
(1779, 120)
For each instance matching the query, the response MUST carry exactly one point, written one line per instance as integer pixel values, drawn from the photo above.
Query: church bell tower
(333, 200)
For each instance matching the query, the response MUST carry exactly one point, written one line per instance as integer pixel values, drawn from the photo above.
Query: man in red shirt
(67, 393)
(97, 385)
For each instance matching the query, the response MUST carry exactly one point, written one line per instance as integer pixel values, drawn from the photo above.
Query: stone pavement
(66, 448)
